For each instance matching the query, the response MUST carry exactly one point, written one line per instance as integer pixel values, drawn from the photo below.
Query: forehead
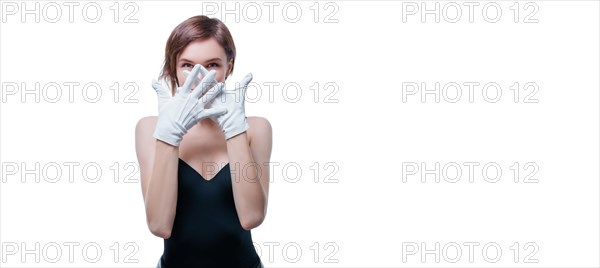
(203, 50)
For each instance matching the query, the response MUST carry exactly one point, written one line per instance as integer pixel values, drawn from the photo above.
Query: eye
(213, 65)
(186, 65)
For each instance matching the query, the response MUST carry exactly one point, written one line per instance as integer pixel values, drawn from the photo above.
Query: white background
(370, 216)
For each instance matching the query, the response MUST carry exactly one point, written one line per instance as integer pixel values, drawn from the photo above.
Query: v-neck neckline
(202, 177)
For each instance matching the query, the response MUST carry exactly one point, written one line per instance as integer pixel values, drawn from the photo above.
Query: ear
(229, 68)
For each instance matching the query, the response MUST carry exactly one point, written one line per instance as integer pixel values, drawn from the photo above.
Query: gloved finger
(215, 111)
(186, 74)
(160, 90)
(187, 85)
(242, 87)
(158, 87)
(203, 71)
(246, 80)
(207, 82)
(199, 111)
(212, 93)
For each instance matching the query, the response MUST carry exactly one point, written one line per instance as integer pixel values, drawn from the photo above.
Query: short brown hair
(195, 28)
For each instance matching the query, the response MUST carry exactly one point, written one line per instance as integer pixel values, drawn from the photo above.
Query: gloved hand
(232, 98)
(182, 111)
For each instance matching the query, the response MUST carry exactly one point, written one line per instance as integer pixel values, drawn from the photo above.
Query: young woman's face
(206, 52)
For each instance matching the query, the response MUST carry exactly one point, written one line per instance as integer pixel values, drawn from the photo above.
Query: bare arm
(249, 156)
(158, 162)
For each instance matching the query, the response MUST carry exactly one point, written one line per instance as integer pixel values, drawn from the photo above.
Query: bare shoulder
(144, 125)
(259, 126)
(146, 122)
(260, 132)
(144, 138)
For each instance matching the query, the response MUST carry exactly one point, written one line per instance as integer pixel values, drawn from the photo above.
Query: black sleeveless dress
(207, 231)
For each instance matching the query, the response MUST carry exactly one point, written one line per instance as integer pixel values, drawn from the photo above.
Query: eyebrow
(186, 60)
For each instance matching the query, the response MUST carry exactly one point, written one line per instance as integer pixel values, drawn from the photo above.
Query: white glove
(232, 99)
(181, 112)
(163, 93)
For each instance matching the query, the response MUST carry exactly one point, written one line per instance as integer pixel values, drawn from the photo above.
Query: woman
(203, 163)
